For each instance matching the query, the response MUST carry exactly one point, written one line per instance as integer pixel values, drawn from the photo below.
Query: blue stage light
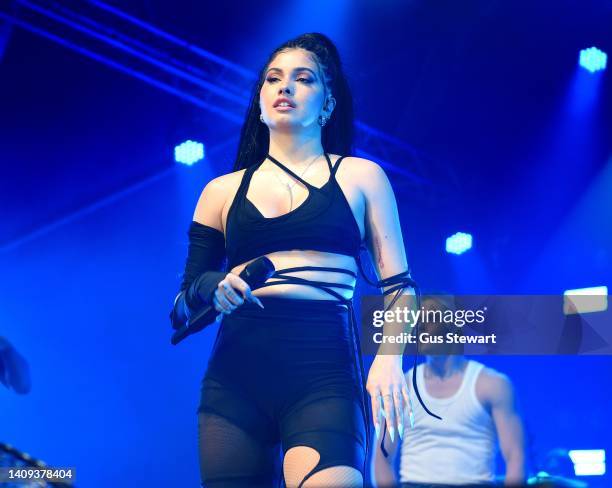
(189, 152)
(592, 59)
(458, 243)
(588, 462)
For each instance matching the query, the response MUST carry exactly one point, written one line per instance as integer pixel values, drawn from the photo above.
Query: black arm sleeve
(203, 272)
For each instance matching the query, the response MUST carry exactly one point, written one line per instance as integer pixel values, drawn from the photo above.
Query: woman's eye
(274, 79)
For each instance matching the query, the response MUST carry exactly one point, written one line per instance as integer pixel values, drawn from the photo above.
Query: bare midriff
(297, 258)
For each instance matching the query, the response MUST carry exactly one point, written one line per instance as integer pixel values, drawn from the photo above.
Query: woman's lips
(286, 108)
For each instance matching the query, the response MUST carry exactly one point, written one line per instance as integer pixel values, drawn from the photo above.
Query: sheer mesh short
(278, 378)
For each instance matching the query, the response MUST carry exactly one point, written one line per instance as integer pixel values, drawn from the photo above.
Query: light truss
(119, 40)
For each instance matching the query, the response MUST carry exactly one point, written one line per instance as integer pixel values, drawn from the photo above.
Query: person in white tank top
(478, 411)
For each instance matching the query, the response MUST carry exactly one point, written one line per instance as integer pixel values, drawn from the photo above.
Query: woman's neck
(294, 149)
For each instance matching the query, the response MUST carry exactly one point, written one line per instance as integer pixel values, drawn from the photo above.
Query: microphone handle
(254, 275)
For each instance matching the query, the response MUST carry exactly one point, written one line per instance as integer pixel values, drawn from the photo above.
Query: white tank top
(460, 448)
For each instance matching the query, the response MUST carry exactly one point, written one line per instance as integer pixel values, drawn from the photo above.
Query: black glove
(203, 272)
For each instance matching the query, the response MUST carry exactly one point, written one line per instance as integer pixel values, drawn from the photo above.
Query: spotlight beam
(149, 54)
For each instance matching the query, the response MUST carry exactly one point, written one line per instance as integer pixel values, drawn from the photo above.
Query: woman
(285, 367)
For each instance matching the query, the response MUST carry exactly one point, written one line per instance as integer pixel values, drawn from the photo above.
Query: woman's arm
(382, 224)
(386, 383)
(204, 282)
(209, 208)
(205, 256)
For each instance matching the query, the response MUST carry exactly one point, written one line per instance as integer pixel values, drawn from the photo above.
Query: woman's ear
(330, 104)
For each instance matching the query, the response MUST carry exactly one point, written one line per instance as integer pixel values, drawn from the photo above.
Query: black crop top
(323, 222)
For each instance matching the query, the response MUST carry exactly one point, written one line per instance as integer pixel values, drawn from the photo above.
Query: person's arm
(205, 256)
(386, 247)
(509, 427)
(210, 205)
(204, 282)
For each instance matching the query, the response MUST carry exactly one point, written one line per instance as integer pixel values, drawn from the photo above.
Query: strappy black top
(323, 222)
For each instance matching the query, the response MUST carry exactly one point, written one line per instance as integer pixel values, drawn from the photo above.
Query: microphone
(254, 274)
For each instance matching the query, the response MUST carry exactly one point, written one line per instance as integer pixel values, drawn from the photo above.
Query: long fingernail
(400, 430)
(392, 433)
(377, 429)
(411, 420)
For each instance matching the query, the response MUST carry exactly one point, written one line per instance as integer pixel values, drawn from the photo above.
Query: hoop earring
(322, 120)
(261, 118)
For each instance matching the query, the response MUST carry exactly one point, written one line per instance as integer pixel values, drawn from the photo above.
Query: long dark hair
(336, 135)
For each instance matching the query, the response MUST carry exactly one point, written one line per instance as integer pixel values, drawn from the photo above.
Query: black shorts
(290, 374)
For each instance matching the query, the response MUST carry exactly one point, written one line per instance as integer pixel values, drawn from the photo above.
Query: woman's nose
(286, 90)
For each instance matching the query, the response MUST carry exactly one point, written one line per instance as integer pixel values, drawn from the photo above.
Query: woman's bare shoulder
(214, 196)
(365, 172)
(362, 163)
(227, 178)
(226, 182)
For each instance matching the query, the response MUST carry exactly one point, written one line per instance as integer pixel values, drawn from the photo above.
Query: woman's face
(295, 77)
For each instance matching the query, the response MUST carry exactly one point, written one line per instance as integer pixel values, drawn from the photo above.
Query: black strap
(329, 164)
(282, 166)
(318, 268)
(332, 169)
(246, 179)
(336, 166)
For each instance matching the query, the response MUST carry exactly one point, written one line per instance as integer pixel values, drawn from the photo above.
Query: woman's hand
(226, 298)
(389, 393)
